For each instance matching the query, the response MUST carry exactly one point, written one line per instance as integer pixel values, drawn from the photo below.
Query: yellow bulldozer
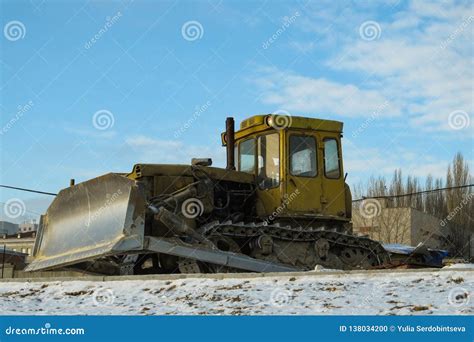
(281, 204)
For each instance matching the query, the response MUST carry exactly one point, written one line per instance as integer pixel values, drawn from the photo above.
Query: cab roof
(262, 122)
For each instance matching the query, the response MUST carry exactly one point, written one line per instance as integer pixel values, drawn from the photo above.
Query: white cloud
(156, 151)
(423, 61)
(91, 132)
(292, 92)
(146, 142)
(421, 64)
(440, 9)
(362, 162)
(302, 46)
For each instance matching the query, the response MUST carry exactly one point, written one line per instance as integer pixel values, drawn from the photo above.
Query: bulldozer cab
(297, 163)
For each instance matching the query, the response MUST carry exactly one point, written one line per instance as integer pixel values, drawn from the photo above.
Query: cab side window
(247, 156)
(268, 175)
(331, 159)
(303, 158)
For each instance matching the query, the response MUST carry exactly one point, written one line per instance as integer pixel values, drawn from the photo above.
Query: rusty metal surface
(100, 217)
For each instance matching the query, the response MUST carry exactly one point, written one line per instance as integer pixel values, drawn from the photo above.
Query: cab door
(260, 155)
(268, 174)
(303, 173)
(333, 190)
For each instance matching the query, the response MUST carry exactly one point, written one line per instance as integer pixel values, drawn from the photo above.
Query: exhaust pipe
(229, 133)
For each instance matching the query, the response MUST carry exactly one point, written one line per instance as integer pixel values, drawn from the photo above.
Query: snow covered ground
(403, 293)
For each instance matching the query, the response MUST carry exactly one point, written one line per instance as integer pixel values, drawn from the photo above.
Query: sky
(91, 87)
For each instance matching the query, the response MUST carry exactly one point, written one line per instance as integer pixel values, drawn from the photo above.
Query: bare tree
(458, 203)
(454, 207)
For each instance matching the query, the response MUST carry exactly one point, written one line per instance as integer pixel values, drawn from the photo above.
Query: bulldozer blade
(100, 217)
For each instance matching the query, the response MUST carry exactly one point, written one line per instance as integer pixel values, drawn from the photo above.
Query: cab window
(303, 160)
(268, 175)
(331, 159)
(236, 154)
(247, 156)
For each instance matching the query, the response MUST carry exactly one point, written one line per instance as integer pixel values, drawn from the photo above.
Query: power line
(415, 193)
(357, 200)
(27, 190)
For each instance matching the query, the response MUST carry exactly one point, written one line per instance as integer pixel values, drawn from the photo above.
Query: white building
(27, 227)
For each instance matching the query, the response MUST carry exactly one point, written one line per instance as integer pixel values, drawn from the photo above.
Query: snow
(447, 292)
(460, 266)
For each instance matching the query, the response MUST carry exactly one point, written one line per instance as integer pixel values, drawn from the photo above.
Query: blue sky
(89, 87)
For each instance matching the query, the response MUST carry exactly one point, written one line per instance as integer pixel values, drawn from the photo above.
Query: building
(20, 242)
(8, 228)
(407, 226)
(27, 227)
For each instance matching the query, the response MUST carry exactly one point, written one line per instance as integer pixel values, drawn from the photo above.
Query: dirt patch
(78, 293)
(420, 308)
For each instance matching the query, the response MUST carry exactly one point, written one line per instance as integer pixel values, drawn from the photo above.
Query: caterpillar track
(303, 247)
